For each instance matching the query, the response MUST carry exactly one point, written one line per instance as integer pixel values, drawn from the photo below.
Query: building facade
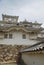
(20, 33)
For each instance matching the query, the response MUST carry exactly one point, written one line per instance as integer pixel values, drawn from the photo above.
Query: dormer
(9, 18)
(36, 24)
(26, 23)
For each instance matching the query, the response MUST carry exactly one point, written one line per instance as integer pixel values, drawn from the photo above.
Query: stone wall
(8, 53)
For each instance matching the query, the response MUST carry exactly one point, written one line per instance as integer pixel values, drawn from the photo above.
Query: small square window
(6, 35)
(24, 36)
(10, 36)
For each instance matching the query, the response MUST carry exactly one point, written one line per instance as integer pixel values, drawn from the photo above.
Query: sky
(32, 10)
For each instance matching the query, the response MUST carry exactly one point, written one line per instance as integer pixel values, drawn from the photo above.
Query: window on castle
(26, 25)
(6, 35)
(24, 36)
(10, 36)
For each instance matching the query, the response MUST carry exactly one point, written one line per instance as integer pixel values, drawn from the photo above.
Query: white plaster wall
(18, 40)
(36, 26)
(33, 59)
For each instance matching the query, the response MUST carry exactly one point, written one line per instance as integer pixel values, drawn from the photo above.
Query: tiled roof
(5, 27)
(33, 48)
(8, 16)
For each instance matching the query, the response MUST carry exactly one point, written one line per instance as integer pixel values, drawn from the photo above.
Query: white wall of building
(36, 26)
(17, 39)
(33, 59)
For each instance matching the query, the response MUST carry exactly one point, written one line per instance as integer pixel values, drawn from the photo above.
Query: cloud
(26, 9)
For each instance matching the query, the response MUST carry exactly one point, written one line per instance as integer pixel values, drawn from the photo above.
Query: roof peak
(9, 15)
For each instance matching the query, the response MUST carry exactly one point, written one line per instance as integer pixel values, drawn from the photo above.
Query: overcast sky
(32, 10)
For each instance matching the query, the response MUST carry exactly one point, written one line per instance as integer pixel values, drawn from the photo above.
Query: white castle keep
(20, 33)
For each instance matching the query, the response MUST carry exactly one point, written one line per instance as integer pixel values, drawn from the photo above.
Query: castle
(15, 36)
(20, 33)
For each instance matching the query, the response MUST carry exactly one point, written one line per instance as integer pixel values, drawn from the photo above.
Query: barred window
(10, 36)
(6, 35)
(24, 36)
